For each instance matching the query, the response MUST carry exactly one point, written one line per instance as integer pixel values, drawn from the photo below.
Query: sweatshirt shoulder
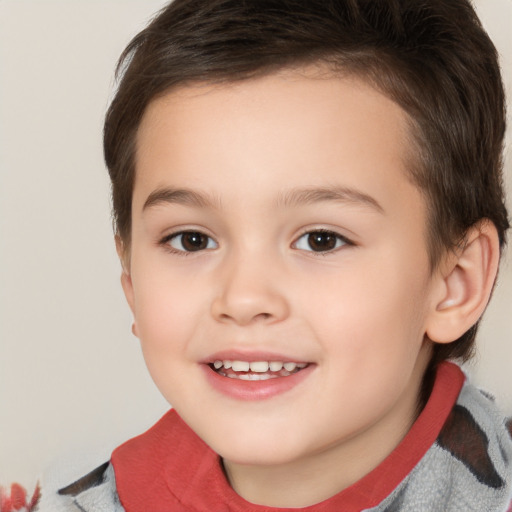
(95, 491)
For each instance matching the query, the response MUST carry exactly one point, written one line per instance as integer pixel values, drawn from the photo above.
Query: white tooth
(302, 365)
(217, 364)
(275, 366)
(289, 366)
(227, 364)
(259, 366)
(263, 376)
(256, 376)
(240, 366)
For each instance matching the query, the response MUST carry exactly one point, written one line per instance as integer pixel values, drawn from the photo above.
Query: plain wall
(72, 379)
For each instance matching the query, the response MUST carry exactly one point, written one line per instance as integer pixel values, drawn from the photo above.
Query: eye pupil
(193, 241)
(319, 241)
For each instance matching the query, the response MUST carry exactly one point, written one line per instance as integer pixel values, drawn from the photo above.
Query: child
(309, 215)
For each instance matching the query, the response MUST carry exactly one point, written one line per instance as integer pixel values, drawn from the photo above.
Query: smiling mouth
(256, 370)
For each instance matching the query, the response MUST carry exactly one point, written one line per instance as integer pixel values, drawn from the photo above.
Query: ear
(126, 279)
(464, 284)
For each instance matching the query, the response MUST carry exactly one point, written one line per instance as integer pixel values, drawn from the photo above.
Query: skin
(358, 313)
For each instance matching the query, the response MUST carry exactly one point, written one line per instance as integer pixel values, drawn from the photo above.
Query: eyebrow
(291, 198)
(184, 196)
(311, 195)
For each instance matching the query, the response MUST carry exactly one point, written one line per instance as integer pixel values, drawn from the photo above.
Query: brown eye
(191, 241)
(320, 241)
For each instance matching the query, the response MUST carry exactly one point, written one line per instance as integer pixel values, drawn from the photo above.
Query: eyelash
(339, 241)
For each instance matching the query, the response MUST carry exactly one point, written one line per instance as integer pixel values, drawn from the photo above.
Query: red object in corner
(16, 499)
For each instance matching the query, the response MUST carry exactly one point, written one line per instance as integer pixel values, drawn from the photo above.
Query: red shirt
(169, 468)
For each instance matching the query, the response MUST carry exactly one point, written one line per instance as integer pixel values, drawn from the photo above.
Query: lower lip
(255, 389)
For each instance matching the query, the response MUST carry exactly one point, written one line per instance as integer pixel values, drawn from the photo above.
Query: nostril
(248, 305)
(258, 316)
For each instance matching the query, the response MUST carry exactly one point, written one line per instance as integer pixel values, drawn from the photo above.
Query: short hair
(432, 57)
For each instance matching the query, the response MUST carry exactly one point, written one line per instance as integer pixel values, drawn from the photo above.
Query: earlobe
(126, 283)
(465, 286)
(126, 279)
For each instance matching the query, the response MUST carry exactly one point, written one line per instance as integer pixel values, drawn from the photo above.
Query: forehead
(306, 126)
(297, 93)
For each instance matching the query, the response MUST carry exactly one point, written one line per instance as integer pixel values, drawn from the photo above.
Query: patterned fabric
(468, 468)
(95, 492)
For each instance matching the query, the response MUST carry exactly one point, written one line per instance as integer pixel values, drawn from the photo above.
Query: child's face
(306, 244)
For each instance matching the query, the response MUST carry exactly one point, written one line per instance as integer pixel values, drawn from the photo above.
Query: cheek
(163, 316)
(376, 314)
(166, 310)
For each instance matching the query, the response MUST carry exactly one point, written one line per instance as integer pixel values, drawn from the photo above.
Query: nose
(249, 293)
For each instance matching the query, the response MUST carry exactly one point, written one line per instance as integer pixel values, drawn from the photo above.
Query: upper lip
(251, 356)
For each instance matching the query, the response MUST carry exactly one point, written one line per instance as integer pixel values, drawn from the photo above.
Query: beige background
(72, 380)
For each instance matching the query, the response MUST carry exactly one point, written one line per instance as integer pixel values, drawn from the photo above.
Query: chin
(255, 450)
(257, 458)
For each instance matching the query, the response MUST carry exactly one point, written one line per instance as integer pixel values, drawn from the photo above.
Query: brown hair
(432, 57)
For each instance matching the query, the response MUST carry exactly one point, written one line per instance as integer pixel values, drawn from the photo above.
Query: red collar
(170, 465)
